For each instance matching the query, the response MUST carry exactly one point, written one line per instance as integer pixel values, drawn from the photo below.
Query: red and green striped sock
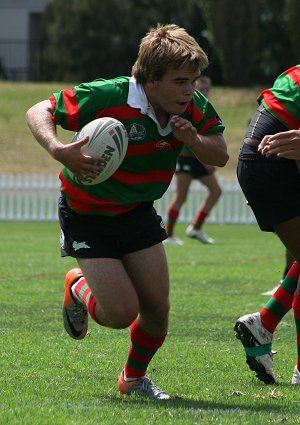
(142, 349)
(281, 302)
(200, 218)
(83, 293)
(172, 219)
(296, 307)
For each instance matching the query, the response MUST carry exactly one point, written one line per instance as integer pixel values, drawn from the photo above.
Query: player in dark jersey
(112, 228)
(268, 172)
(188, 168)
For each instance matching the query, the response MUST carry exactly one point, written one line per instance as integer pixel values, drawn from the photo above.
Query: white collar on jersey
(137, 99)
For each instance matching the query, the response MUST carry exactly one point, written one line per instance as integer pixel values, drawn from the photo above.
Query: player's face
(203, 87)
(174, 91)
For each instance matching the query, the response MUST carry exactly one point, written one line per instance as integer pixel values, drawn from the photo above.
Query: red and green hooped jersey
(283, 99)
(185, 151)
(150, 161)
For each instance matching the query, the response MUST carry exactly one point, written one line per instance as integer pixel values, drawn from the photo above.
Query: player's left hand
(184, 131)
(285, 145)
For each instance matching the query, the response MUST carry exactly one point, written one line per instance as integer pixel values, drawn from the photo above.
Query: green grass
(47, 378)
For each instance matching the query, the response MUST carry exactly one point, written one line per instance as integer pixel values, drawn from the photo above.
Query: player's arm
(210, 149)
(285, 144)
(39, 120)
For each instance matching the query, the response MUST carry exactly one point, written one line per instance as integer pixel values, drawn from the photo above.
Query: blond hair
(167, 47)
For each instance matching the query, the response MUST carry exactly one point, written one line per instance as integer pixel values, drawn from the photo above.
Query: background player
(188, 168)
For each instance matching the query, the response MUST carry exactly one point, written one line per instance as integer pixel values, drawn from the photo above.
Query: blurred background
(248, 42)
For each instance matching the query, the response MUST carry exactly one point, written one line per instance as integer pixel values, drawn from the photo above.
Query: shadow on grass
(198, 405)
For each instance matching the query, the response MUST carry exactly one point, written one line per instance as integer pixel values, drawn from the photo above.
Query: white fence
(34, 198)
(28, 197)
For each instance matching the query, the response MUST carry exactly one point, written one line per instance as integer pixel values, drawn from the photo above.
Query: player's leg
(289, 259)
(123, 294)
(94, 241)
(256, 330)
(149, 275)
(288, 232)
(296, 308)
(208, 178)
(115, 290)
(89, 289)
(289, 235)
(183, 181)
(107, 292)
(281, 302)
(271, 189)
(99, 245)
(152, 287)
(214, 192)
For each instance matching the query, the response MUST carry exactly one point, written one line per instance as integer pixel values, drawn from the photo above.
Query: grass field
(49, 379)
(23, 154)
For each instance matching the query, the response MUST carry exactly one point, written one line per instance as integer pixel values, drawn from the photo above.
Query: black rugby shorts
(271, 185)
(191, 165)
(98, 236)
(272, 189)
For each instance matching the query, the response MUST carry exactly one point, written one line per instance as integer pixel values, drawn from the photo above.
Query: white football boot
(296, 376)
(257, 342)
(272, 291)
(199, 234)
(171, 240)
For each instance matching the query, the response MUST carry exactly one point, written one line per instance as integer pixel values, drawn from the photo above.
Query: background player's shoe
(142, 386)
(257, 342)
(198, 234)
(296, 376)
(272, 291)
(171, 240)
(75, 315)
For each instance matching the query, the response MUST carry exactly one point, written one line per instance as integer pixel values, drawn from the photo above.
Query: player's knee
(216, 192)
(158, 313)
(122, 316)
(161, 319)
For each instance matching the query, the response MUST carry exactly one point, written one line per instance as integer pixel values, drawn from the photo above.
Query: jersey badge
(136, 132)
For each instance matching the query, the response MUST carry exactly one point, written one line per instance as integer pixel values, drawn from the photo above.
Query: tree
(247, 41)
(255, 39)
(275, 48)
(234, 30)
(87, 39)
(293, 28)
(84, 41)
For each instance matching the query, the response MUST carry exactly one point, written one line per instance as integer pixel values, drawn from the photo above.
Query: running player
(122, 275)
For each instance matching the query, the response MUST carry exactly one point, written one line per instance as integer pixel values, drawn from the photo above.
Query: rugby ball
(108, 138)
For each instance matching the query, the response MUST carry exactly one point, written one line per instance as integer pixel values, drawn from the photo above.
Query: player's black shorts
(98, 236)
(272, 190)
(271, 185)
(191, 165)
